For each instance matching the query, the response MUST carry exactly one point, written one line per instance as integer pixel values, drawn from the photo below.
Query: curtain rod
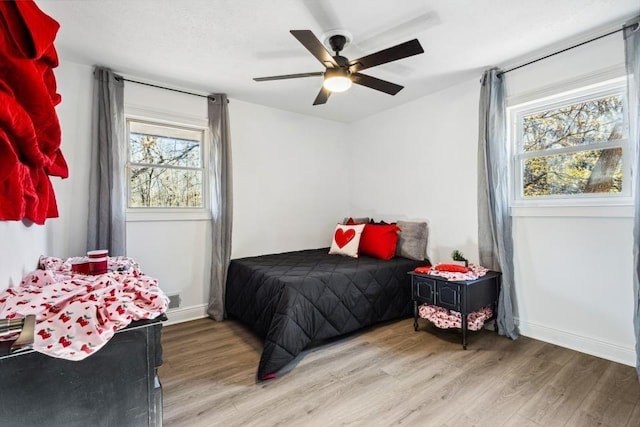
(167, 88)
(635, 27)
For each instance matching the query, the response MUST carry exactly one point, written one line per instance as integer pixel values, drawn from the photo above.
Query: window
(572, 146)
(165, 165)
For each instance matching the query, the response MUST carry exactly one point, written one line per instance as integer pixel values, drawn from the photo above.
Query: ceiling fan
(340, 73)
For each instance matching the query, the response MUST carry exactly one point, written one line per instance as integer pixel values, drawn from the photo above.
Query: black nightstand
(462, 296)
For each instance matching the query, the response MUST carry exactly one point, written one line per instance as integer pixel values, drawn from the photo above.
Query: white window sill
(600, 211)
(167, 215)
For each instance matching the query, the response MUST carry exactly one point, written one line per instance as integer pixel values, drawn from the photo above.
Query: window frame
(177, 213)
(559, 98)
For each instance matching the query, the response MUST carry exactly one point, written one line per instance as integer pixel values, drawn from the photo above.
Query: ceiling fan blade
(403, 50)
(288, 76)
(375, 83)
(313, 45)
(322, 97)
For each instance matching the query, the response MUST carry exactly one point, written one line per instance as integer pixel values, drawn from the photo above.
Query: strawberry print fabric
(78, 314)
(445, 319)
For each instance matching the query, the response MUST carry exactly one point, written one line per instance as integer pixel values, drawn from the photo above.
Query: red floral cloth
(445, 319)
(78, 314)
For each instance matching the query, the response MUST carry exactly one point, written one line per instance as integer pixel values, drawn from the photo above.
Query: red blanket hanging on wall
(30, 133)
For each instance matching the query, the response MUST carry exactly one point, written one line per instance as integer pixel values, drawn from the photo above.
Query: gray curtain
(107, 192)
(221, 202)
(632, 55)
(494, 220)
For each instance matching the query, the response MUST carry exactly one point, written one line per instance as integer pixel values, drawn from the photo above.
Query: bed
(294, 299)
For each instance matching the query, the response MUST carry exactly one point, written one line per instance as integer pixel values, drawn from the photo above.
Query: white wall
(20, 247)
(20, 244)
(574, 270)
(573, 273)
(418, 161)
(574, 283)
(289, 187)
(68, 234)
(290, 179)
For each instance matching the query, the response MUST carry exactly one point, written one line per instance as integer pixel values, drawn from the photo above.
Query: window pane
(162, 187)
(589, 171)
(164, 145)
(588, 122)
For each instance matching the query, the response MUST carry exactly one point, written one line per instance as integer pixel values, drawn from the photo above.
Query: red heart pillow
(346, 239)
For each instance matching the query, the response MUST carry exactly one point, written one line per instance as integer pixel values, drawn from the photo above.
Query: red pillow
(379, 241)
(454, 268)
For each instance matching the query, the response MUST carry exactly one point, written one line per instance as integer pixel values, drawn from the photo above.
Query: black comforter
(295, 298)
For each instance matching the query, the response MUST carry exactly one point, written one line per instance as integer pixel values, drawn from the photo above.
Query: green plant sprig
(456, 255)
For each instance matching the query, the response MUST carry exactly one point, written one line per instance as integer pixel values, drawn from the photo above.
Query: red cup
(98, 265)
(82, 266)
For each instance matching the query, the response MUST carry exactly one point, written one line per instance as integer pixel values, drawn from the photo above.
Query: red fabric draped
(30, 134)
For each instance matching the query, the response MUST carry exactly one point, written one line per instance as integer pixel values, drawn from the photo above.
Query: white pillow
(346, 239)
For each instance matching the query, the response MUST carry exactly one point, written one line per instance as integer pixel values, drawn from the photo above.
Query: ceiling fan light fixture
(336, 80)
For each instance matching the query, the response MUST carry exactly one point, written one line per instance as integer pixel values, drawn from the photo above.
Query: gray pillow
(412, 240)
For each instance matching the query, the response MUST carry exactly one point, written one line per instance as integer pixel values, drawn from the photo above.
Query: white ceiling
(220, 45)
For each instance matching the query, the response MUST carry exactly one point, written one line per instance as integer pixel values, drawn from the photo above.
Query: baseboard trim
(186, 314)
(588, 345)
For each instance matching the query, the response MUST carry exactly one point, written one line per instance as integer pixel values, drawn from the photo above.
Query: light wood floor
(391, 375)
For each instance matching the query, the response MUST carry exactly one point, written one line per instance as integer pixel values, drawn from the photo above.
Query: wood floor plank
(620, 382)
(499, 404)
(554, 353)
(389, 375)
(520, 421)
(555, 403)
(601, 409)
(479, 370)
(635, 416)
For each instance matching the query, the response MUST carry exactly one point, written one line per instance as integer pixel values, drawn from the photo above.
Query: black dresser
(116, 386)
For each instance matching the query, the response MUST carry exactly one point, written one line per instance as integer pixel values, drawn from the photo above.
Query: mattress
(296, 298)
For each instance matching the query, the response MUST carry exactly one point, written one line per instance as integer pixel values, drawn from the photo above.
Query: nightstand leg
(415, 315)
(464, 332)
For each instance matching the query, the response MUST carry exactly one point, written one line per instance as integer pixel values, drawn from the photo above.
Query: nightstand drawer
(424, 289)
(448, 295)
